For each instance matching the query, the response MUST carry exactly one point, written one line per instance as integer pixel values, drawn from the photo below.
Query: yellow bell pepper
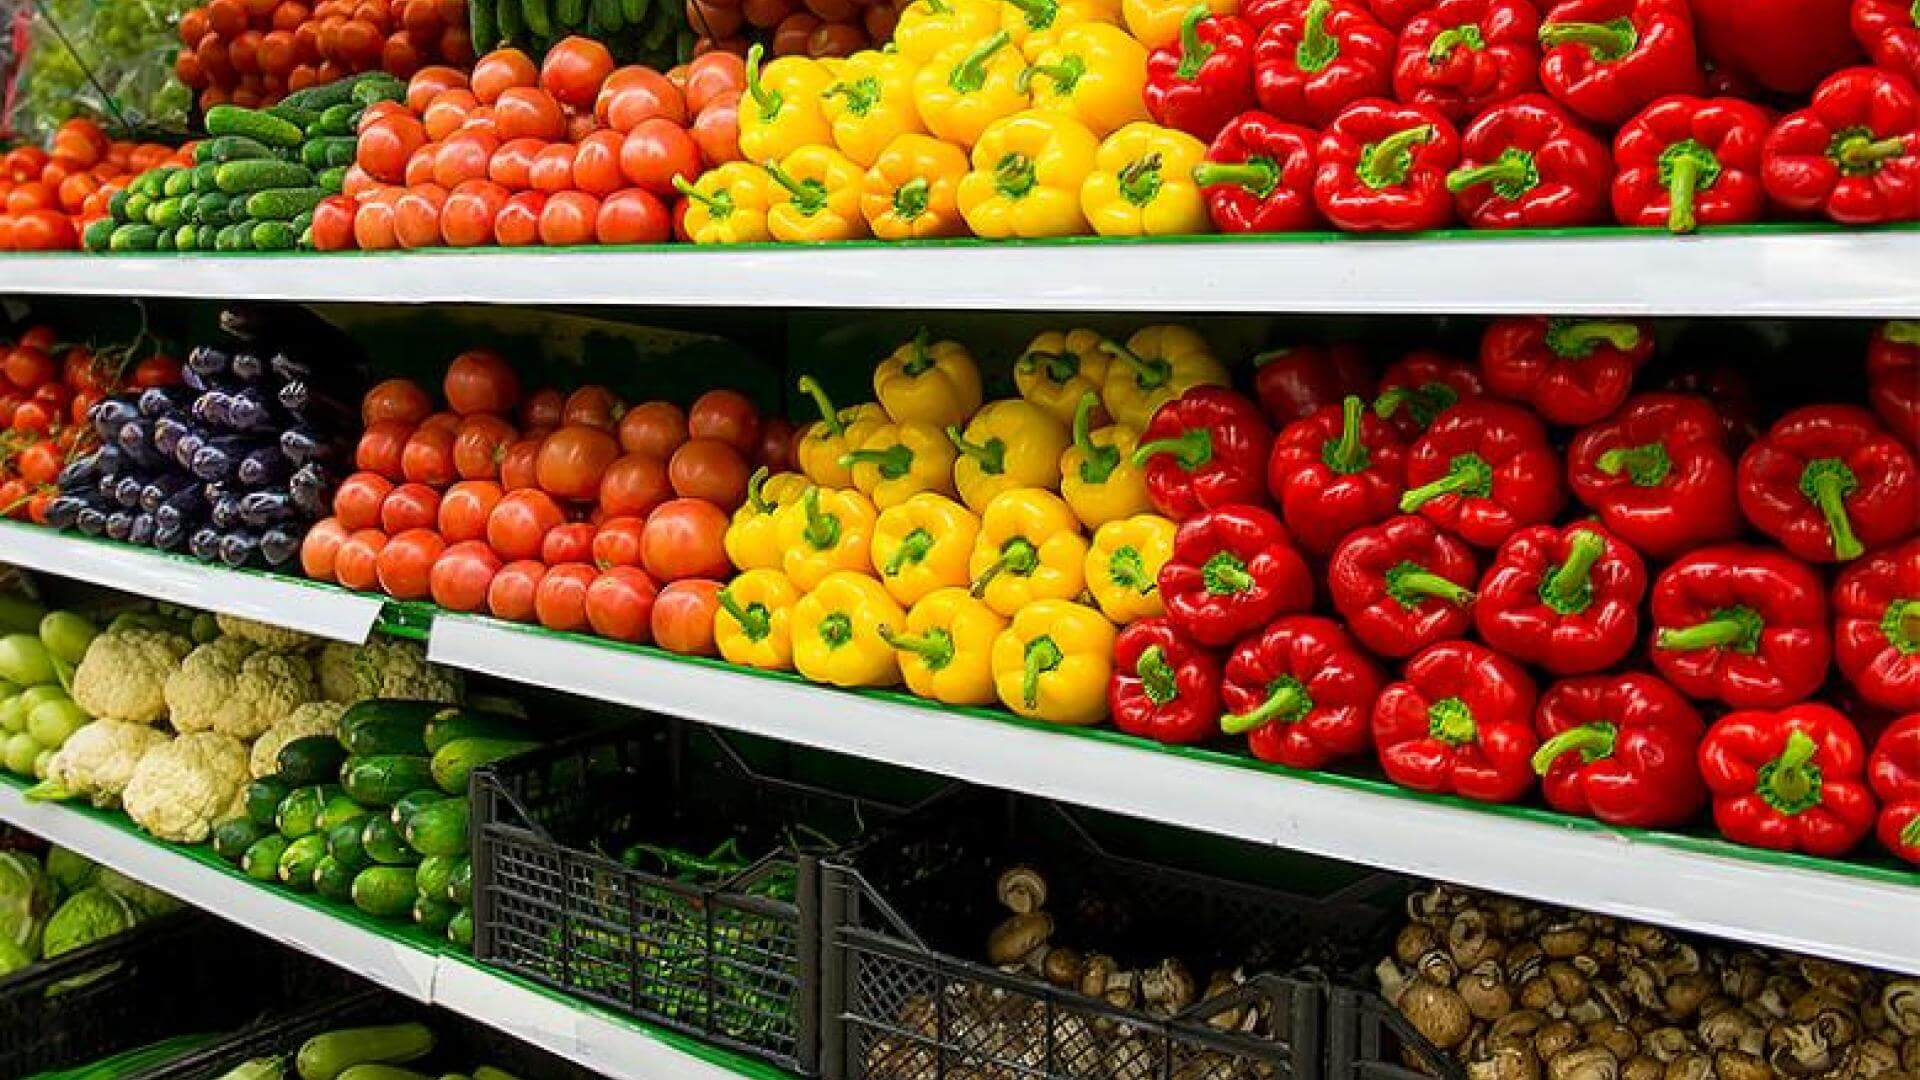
(817, 198)
(923, 544)
(1094, 73)
(752, 539)
(1027, 172)
(927, 26)
(1156, 365)
(1097, 475)
(1038, 25)
(780, 112)
(728, 204)
(1156, 23)
(1142, 184)
(836, 632)
(933, 382)
(871, 104)
(969, 85)
(1123, 566)
(1029, 548)
(1053, 662)
(824, 532)
(946, 647)
(836, 434)
(1058, 368)
(754, 623)
(1008, 444)
(899, 461)
(912, 191)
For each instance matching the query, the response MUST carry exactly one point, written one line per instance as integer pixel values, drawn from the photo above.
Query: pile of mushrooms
(1515, 991)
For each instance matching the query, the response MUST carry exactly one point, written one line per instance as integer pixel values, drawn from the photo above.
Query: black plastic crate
(1369, 1039)
(736, 962)
(910, 995)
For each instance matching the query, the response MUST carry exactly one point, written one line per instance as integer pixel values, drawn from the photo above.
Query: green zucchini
(440, 829)
(460, 885)
(245, 177)
(299, 813)
(344, 846)
(454, 762)
(604, 16)
(571, 14)
(405, 805)
(386, 892)
(460, 929)
(134, 237)
(433, 876)
(325, 1057)
(98, 234)
(384, 843)
(231, 839)
(314, 759)
(432, 914)
(299, 859)
(328, 151)
(385, 735)
(263, 799)
(283, 204)
(260, 1068)
(332, 880)
(508, 18)
(261, 127)
(453, 724)
(386, 711)
(383, 778)
(340, 810)
(273, 236)
(633, 12)
(262, 860)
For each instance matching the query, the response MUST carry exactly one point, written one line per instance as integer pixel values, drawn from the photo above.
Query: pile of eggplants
(232, 465)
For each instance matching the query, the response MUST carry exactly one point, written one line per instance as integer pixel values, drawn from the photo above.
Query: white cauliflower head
(265, 634)
(97, 761)
(385, 669)
(182, 789)
(123, 675)
(237, 688)
(313, 718)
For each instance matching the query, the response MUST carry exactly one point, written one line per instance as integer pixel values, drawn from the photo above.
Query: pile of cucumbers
(255, 180)
(377, 816)
(650, 32)
(363, 1053)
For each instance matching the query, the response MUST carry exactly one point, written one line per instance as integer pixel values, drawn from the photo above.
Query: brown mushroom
(1685, 994)
(1438, 968)
(1869, 1058)
(1485, 991)
(1554, 1039)
(1022, 890)
(1564, 940)
(1644, 985)
(1733, 1029)
(1619, 1040)
(1900, 1000)
(1437, 1012)
(1470, 938)
(1062, 967)
(1570, 984)
(1642, 1067)
(1801, 1048)
(1414, 941)
(1517, 1028)
(1095, 972)
(1226, 982)
(1666, 1044)
(1506, 1063)
(1167, 987)
(1649, 940)
(1585, 1063)
(1690, 1066)
(1018, 935)
(1122, 990)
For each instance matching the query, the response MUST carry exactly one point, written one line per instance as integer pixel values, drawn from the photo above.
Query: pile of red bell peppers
(1398, 115)
(1546, 569)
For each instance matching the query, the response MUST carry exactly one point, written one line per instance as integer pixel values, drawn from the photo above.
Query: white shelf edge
(1841, 274)
(1831, 915)
(292, 604)
(579, 1035)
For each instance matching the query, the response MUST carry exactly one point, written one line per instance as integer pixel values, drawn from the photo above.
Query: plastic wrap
(108, 59)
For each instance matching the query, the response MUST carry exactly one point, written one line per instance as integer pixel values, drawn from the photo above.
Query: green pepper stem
(992, 455)
(1040, 13)
(1736, 628)
(1577, 338)
(970, 74)
(755, 485)
(939, 7)
(829, 416)
(1791, 782)
(1591, 741)
(1450, 720)
(1348, 454)
(1863, 153)
(836, 629)
(1058, 366)
(911, 199)
(1193, 51)
(809, 196)
(1902, 331)
(719, 204)
(1157, 678)
(1041, 656)
(1409, 583)
(1317, 48)
(1147, 374)
(920, 357)
(1828, 482)
(1910, 836)
(1225, 574)
(1065, 75)
(1607, 41)
(823, 530)
(1096, 462)
(1647, 465)
(1464, 36)
(1513, 168)
(935, 647)
(1568, 588)
(1287, 700)
(1467, 474)
(894, 461)
(1388, 162)
(1258, 176)
(754, 619)
(1190, 449)
(1018, 557)
(1684, 182)
(1128, 570)
(1901, 624)
(769, 101)
(913, 548)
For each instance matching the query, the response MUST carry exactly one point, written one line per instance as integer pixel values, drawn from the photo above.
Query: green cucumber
(273, 236)
(460, 885)
(190, 206)
(434, 875)
(406, 805)
(332, 880)
(243, 177)
(387, 711)
(298, 861)
(332, 181)
(163, 242)
(207, 237)
(386, 892)
(263, 799)
(432, 915)
(339, 119)
(302, 118)
(262, 860)
(454, 762)
(165, 213)
(453, 724)
(134, 238)
(299, 813)
(340, 810)
(385, 734)
(383, 778)
(488, 1072)
(511, 22)
(210, 208)
(117, 206)
(605, 16)
(539, 18)
(314, 759)
(186, 237)
(480, 26)
(570, 13)
(460, 930)
(633, 12)
(383, 842)
(231, 839)
(261, 127)
(322, 97)
(204, 178)
(382, 1072)
(345, 848)
(328, 151)
(283, 204)
(177, 183)
(149, 183)
(231, 148)
(440, 829)
(136, 207)
(99, 233)
(325, 1057)
(303, 222)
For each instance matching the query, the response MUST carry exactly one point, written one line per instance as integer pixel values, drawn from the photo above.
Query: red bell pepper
(1295, 382)
(1786, 46)
(1165, 687)
(1302, 692)
(1317, 58)
(1526, 164)
(1233, 570)
(1658, 475)
(1403, 585)
(1258, 176)
(1483, 471)
(1421, 385)
(1890, 33)
(1567, 600)
(1572, 371)
(1894, 772)
(1743, 625)
(1206, 448)
(1893, 378)
(1395, 14)
(1731, 393)
(1459, 722)
(1205, 78)
(1853, 155)
(1829, 483)
(1876, 626)
(1608, 59)
(1338, 470)
(1792, 780)
(1462, 56)
(1687, 161)
(1383, 168)
(1620, 749)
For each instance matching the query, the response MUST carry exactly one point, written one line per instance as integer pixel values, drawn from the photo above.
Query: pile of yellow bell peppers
(976, 552)
(991, 118)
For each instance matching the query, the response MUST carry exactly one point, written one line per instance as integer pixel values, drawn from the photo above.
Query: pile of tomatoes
(795, 27)
(572, 510)
(574, 151)
(254, 52)
(48, 196)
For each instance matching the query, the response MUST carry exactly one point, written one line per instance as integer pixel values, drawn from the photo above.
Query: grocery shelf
(393, 957)
(289, 602)
(1759, 270)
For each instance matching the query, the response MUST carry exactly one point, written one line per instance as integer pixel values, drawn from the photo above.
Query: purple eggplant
(262, 467)
(303, 445)
(167, 431)
(209, 361)
(224, 512)
(164, 488)
(312, 489)
(62, 510)
(157, 401)
(251, 409)
(168, 536)
(221, 456)
(141, 531)
(263, 508)
(108, 415)
(119, 524)
(204, 543)
(238, 547)
(279, 545)
(248, 366)
(126, 493)
(188, 445)
(211, 407)
(91, 520)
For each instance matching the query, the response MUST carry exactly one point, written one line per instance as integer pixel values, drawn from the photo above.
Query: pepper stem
(1058, 367)
(1859, 152)
(1225, 574)
(919, 357)
(1511, 175)
(861, 94)
(1042, 656)
(1140, 180)
(992, 455)
(719, 204)
(754, 619)
(1451, 721)
(1607, 41)
(1065, 74)
(1593, 742)
(1348, 454)
(836, 629)
(894, 461)
(1018, 557)
(1467, 474)
(1423, 402)
(823, 530)
(1902, 332)
(1129, 571)
(769, 101)
(1258, 176)
(939, 7)
(1317, 48)
(1409, 583)
(1647, 465)
(1686, 168)
(970, 74)
(829, 416)
(1147, 374)
(911, 199)
(1828, 482)
(1736, 628)
(1040, 13)
(1388, 162)
(1014, 176)
(1901, 624)
(1157, 678)
(1791, 782)
(1576, 339)
(913, 548)
(809, 196)
(1910, 836)
(1096, 462)
(1464, 36)
(934, 648)
(1190, 449)
(755, 484)
(1287, 701)
(1193, 51)
(1568, 588)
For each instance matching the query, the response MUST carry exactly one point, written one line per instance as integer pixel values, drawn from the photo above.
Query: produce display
(357, 1053)
(253, 53)
(49, 197)
(53, 904)
(106, 61)
(656, 35)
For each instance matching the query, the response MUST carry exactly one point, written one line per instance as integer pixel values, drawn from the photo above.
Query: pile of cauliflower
(179, 729)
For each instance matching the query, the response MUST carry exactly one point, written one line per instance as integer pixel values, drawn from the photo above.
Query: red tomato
(633, 94)
(481, 381)
(502, 70)
(448, 110)
(717, 130)
(430, 82)
(620, 604)
(572, 461)
(552, 169)
(479, 444)
(618, 542)
(409, 506)
(542, 408)
(518, 223)
(40, 463)
(468, 218)
(517, 463)
(726, 415)
(54, 396)
(655, 153)
(634, 485)
(683, 540)
(568, 219)
(572, 542)
(462, 576)
(520, 522)
(333, 223)
(442, 421)
(156, 370)
(709, 469)
(406, 562)
(386, 144)
(560, 603)
(596, 164)
(653, 427)
(428, 457)
(711, 75)
(510, 594)
(633, 216)
(34, 416)
(464, 157)
(511, 163)
(528, 112)
(682, 618)
(776, 444)
(29, 368)
(419, 168)
(594, 406)
(574, 70)
(356, 564)
(396, 399)
(357, 501)
(320, 547)
(465, 507)
(416, 216)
